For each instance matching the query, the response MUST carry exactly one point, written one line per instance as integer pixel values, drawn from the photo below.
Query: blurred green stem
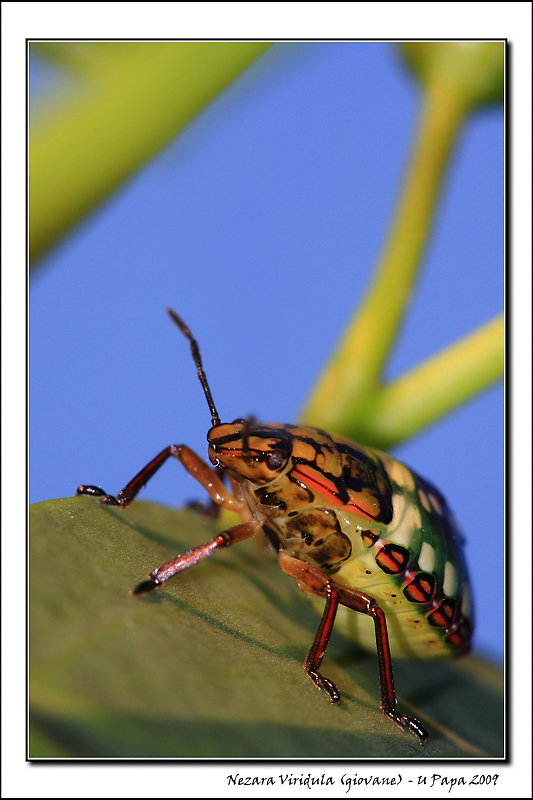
(353, 376)
(136, 99)
(439, 385)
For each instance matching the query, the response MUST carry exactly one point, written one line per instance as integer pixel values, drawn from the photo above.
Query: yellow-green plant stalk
(134, 98)
(457, 78)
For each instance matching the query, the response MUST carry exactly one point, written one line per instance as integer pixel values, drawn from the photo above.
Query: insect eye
(276, 459)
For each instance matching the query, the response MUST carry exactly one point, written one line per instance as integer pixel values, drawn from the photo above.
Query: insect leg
(194, 465)
(313, 581)
(177, 564)
(318, 648)
(388, 695)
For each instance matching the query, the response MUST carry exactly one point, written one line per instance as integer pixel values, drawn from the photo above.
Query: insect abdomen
(414, 568)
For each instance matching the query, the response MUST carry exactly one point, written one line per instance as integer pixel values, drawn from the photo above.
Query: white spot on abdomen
(426, 559)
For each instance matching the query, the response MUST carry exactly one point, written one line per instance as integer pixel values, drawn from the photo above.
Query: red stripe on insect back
(329, 490)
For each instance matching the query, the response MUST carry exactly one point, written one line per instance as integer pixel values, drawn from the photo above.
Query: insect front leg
(194, 465)
(177, 564)
(314, 581)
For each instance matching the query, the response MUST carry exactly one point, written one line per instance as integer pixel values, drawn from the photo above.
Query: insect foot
(323, 683)
(145, 586)
(95, 491)
(409, 724)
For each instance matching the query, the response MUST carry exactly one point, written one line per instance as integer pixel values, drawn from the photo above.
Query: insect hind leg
(312, 580)
(318, 648)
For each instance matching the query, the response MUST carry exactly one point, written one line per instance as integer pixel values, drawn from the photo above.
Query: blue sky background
(260, 225)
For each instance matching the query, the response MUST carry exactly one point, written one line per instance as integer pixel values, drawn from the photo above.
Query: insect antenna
(195, 350)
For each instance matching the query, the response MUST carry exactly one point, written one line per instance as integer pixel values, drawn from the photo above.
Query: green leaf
(210, 665)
